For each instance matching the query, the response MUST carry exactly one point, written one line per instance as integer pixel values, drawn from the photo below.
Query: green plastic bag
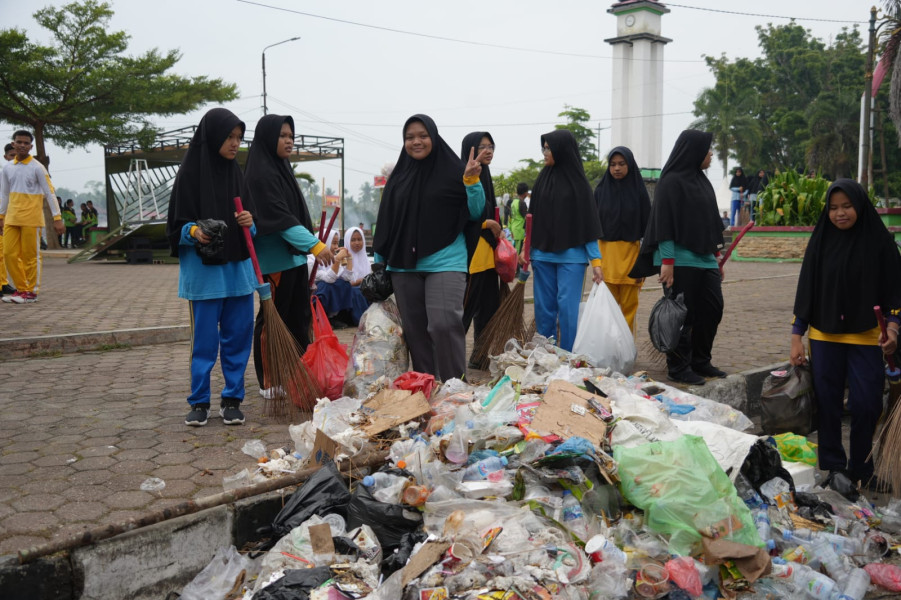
(684, 493)
(796, 448)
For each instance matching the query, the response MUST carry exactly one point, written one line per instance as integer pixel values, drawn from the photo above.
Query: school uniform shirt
(24, 187)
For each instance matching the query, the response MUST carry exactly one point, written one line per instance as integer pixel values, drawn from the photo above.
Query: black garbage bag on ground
(377, 287)
(787, 403)
(398, 559)
(325, 492)
(212, 253)
(666, 321)
(812, 508)
(764, 463)
(295, 585)
(389, 521)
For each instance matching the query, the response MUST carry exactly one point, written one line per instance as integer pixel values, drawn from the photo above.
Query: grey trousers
(431, 308)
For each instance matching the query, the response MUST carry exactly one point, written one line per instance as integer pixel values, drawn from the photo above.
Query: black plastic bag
(214, 252)
(666, 321)
(389, 521)
(376, 287)
(325, 492)
(764, 463)
(295, 585)
(398, 559)
(787, 403)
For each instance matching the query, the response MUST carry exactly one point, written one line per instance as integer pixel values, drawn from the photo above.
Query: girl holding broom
(429, 197)
(565, 233)
(284, 233)
(483, 288)
(850, 266)
(215, 274)
(623, 206)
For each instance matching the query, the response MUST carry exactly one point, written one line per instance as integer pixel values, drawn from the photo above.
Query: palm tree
(731, 118)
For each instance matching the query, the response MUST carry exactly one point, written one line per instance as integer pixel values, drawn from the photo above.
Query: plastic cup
(652, 581)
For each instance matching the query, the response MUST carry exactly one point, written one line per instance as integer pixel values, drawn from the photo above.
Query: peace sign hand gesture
(474, 165)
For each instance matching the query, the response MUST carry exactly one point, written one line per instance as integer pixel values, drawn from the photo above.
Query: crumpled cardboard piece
(564, 412)
(753, 562)
(390, 408)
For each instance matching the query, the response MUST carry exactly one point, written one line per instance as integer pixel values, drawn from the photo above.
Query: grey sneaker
(199, 415)
(230, 411)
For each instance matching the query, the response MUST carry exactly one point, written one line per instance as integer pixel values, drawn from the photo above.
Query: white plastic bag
(218, 577)
(603, 334)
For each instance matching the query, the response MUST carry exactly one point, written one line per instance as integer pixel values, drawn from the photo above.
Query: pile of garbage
(557, 480)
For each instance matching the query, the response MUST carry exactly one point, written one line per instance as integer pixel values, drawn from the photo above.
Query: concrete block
(731, 391)
(44, 579)
(254, 514)
(150, 562)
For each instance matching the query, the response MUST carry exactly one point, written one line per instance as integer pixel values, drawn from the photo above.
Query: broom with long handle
(283, 368)
(508, 321)
(886, 451)
(321, 239)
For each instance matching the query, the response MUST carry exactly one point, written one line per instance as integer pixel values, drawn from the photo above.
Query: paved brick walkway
(80, 432)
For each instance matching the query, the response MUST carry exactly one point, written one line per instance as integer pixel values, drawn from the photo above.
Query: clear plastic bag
(603, 334)
(218, 577)
(379, 354)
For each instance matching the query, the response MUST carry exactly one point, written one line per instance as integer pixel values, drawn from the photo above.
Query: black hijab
(207, 183)
(846, 273)
(424, 205)
(473, 229)
(739, 179)
(623, 204)
(563, 207)
(269, 182)
(684, 208)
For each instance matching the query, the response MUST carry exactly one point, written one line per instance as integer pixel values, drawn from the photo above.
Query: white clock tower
(638, 79)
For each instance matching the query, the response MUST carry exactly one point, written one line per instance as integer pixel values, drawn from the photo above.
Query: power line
(747, 14)
(447, 126)
(454, 40)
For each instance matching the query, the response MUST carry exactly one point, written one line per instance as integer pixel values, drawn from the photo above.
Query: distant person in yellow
(624, 207)
(9, 153)
(24, 187)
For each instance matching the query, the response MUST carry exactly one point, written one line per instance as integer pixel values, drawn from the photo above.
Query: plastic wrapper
(603, 334)
(379, 353)
(684, 492)
(227, 569)
(796, 448)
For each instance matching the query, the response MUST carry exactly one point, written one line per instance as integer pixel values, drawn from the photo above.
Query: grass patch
(46, 354)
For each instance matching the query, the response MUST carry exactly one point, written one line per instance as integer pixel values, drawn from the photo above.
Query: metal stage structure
(139, 181)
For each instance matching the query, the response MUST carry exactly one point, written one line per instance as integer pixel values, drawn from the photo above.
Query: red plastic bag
(326, 357)
(415, 382)
(683, 572)
(505, 260)
(885, 575)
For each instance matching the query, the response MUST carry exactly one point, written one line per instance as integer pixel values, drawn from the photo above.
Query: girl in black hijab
(684, 235)
(739, 185)
(623, 206)
(850, 266)
(214, 274)
(284, 229)
(565, 233)
(429, 197)
(483, 288)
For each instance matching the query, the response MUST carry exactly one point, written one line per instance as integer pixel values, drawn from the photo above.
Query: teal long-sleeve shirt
(453, 256)
(683, 256)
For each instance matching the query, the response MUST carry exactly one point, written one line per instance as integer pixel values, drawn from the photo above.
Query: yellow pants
(626, 296)
(3, 278)
(22, 253)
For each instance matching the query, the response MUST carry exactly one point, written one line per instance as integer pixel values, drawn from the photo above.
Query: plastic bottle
(762, 522)
(573, 518)
(415, 495)
(483, 468)
(385, 487)
(825, 553)
(814, 583)
(854, 586)
(457, 450)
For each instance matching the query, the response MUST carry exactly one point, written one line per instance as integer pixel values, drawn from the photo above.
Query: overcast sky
(362, 67)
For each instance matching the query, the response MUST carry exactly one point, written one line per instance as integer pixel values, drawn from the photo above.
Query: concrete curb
(96, 340)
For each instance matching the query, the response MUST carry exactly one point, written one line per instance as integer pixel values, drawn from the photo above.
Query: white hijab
(311, 258)
(362, 268)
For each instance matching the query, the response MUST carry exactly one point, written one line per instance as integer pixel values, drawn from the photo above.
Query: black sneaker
(7, 289)
(686, 376)
(230, 412)
(198, 415)
(709, 370)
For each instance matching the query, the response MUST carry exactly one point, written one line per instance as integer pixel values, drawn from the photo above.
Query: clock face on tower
(630, 20)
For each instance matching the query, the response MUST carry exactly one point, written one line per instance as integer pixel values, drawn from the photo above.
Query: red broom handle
(734, 243)
(527, 243)
(249, 239)
(881, 319)
(321, 233)
(497, 214)
(322, 225)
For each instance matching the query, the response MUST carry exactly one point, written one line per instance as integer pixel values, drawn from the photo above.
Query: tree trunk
(41, 156)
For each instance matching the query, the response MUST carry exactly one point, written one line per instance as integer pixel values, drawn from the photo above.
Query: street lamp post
(264, 68)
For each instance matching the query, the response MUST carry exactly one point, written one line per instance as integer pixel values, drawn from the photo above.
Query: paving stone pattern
(80, 432)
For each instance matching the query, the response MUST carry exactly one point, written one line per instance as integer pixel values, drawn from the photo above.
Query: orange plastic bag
(415, 382)
(326, 357)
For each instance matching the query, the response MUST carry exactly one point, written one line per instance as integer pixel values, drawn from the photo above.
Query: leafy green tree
(82, 88)
(576, 117)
